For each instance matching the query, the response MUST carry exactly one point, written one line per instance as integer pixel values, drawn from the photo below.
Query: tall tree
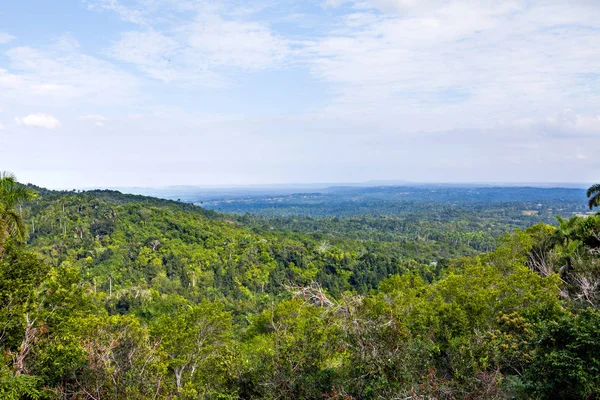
(565, 240)
(594, 196)
(11, 195)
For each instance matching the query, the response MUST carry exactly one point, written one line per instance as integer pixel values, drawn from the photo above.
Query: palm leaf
(593, 189)
(11, 192)
(594, 201)
(11, 195)
(7, 175)
(13, 223)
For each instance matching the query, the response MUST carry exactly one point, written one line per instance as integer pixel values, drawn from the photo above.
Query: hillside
(134, 239)
(121, 296)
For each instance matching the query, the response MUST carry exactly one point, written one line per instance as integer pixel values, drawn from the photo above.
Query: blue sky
(169, 92)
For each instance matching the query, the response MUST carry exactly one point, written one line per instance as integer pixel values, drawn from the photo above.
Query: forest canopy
(111, 296)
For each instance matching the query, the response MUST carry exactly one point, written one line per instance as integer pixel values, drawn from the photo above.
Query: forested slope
(116, 296)
(180, 248)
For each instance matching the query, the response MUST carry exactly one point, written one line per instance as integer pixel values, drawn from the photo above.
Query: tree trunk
(25, 348)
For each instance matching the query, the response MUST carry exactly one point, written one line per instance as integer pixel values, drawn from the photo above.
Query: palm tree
(565, 238)
(565, 232)
(594, 194)
(11, 195)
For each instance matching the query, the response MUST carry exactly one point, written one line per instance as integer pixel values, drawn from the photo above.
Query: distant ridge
(191, 193)
(326, 185)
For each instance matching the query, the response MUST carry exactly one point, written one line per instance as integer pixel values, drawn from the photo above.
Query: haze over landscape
(147, 93)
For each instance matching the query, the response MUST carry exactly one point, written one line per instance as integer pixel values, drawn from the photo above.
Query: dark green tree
(594, 196)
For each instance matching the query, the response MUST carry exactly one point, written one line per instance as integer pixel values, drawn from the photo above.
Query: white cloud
(407, 6)
(199, 46)
(135, 16)
(460, 63)
(197, 51)
(97, 119)
(39, 121)
(1, 126)
(566, 124)
(230, 43)
(160, 57)
(92, 117)
(5, 37)
(10, 81)
(61, 75)
(65, 44)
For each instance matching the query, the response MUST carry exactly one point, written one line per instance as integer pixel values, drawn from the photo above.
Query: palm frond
(13, 224)
(11, 195)
(593, 189)
(11, 192)
(20, 194)
(7, 175)
(594, 201)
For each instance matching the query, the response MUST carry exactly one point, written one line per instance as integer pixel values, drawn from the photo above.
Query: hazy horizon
(325, 185)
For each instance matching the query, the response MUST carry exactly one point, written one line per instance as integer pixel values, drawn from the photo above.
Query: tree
(21, 273)
(197, 340)
(120, 360)
(565, 231)
(565, 240)
(11, 195)
(565, 358)
(594, 196)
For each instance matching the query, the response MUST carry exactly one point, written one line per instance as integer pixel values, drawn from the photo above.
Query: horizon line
(326, 185)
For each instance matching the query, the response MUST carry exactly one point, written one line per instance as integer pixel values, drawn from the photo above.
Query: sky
(152, 93)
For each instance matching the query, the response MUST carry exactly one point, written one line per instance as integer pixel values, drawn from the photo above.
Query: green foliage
(594, 196)
(290, 352)
(18, 387)
(197, 341)
(133, 297)
(566, 362)
(21, 273)
(118, 360)
(12, 194)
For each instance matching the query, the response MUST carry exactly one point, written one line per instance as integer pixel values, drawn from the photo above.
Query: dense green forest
(112, 296)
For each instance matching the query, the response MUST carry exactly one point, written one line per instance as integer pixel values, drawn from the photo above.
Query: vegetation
(117, 296)
(11, 195)
(594, 194)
